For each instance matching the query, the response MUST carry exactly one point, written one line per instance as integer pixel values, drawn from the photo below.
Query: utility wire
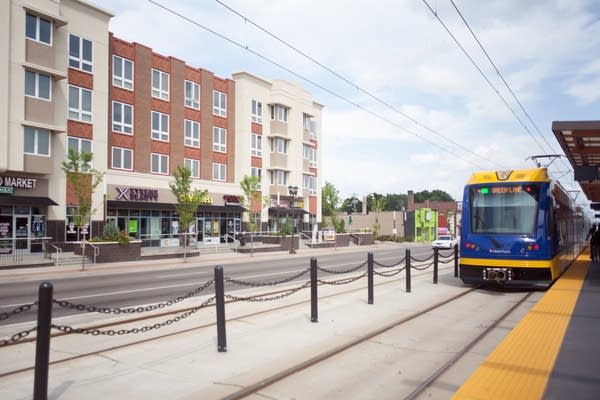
(435, 14)
(354, 85)
(309, 81)
(503, 80)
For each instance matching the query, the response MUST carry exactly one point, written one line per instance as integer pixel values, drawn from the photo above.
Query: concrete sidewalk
(188, 365)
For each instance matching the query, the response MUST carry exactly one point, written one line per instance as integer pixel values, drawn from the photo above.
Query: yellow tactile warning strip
(519, 368)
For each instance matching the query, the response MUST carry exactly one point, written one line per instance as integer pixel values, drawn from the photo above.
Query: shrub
(110, 232)
(123, 238)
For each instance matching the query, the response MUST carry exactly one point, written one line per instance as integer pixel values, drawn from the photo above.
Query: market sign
(15, 182)
(7, 190)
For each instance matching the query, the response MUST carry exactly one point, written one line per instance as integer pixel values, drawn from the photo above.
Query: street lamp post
(293, 190)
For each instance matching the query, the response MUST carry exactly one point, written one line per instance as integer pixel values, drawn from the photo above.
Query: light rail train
(519, 228)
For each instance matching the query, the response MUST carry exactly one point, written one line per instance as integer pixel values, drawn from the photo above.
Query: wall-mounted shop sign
(232, 199)
(7, 190)
(15, 182)
(136, 194)
(200, 198)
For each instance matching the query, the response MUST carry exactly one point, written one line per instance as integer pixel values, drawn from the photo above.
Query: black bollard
(314, 312)
(220, 297)
(456, 261)
(370, 277)
(435, 265)
(407, 270)
(42, 341)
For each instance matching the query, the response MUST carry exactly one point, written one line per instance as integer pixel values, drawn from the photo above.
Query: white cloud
(397, 51)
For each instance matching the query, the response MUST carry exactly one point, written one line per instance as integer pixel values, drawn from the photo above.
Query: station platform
(554, 352)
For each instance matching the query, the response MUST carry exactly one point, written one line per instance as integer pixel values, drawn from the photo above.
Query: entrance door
(21, 226)
(200, 230)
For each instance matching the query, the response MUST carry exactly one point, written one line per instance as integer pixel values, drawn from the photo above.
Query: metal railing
(96, 251)
(15, 250)
(355, 239)
(58, 252)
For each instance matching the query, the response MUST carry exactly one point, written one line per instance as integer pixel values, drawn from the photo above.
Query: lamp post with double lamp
(293, 190)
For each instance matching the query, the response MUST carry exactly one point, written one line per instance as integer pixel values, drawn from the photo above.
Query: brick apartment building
(72, 84)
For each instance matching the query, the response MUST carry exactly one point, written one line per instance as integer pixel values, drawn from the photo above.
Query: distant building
(448, 212)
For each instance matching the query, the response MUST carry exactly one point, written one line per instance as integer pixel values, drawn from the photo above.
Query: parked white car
(444, 242)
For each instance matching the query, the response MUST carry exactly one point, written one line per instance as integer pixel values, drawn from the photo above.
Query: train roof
(516, 175)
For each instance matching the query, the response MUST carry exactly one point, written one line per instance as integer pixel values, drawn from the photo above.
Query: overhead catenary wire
(504, 80)
(466, 53)
(312, 82)
(354, 85)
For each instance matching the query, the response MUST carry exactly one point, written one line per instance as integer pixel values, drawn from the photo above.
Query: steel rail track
(251, 389)
(435, 376)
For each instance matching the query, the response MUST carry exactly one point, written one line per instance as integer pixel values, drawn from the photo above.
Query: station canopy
(580, 141)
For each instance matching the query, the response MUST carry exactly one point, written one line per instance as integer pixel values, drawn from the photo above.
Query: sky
(405, 107)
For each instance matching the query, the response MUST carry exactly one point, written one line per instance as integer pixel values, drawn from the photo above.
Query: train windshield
(508, 209)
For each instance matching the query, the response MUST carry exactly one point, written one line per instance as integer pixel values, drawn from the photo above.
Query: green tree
(395, 202)
(330, 199)
(254, 203)
(188, 201)
(83, 181)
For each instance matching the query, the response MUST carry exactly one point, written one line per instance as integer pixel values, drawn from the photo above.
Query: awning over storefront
(137, 205)
(287, 211)
(27, 201)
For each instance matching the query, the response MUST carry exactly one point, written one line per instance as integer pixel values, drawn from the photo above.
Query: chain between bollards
(407, 270)
(42, 341)
(314, 312)
(370, 277)
(220, 298)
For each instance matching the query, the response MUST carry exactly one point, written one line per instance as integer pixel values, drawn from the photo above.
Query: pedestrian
(596, 244)
(590, 238)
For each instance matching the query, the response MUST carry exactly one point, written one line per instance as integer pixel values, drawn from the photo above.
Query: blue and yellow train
(518, 228)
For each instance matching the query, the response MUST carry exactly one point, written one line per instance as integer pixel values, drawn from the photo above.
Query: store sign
(136, 194)
(231, 199)
(14, 182)
(7, 190)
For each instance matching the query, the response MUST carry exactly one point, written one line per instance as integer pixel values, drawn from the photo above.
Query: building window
(310, 184)
(160, 164)
(122, 118)
(219, 139)
(193, 166)
(192, 95)
(310, 154)
(192, 133)
(278, 145)
(122, 158)
(219, 104)
(310, 125)
(160, 84)
(160, 126)
(80, 53)
(80, 104)
(278, 177)
(219, 172)
(256, 111)
(256, 145)
(78, 145)
(254, 171)
(122, 73)
(37, 141)
(39, 29)
(38, 85)
(279, 113)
